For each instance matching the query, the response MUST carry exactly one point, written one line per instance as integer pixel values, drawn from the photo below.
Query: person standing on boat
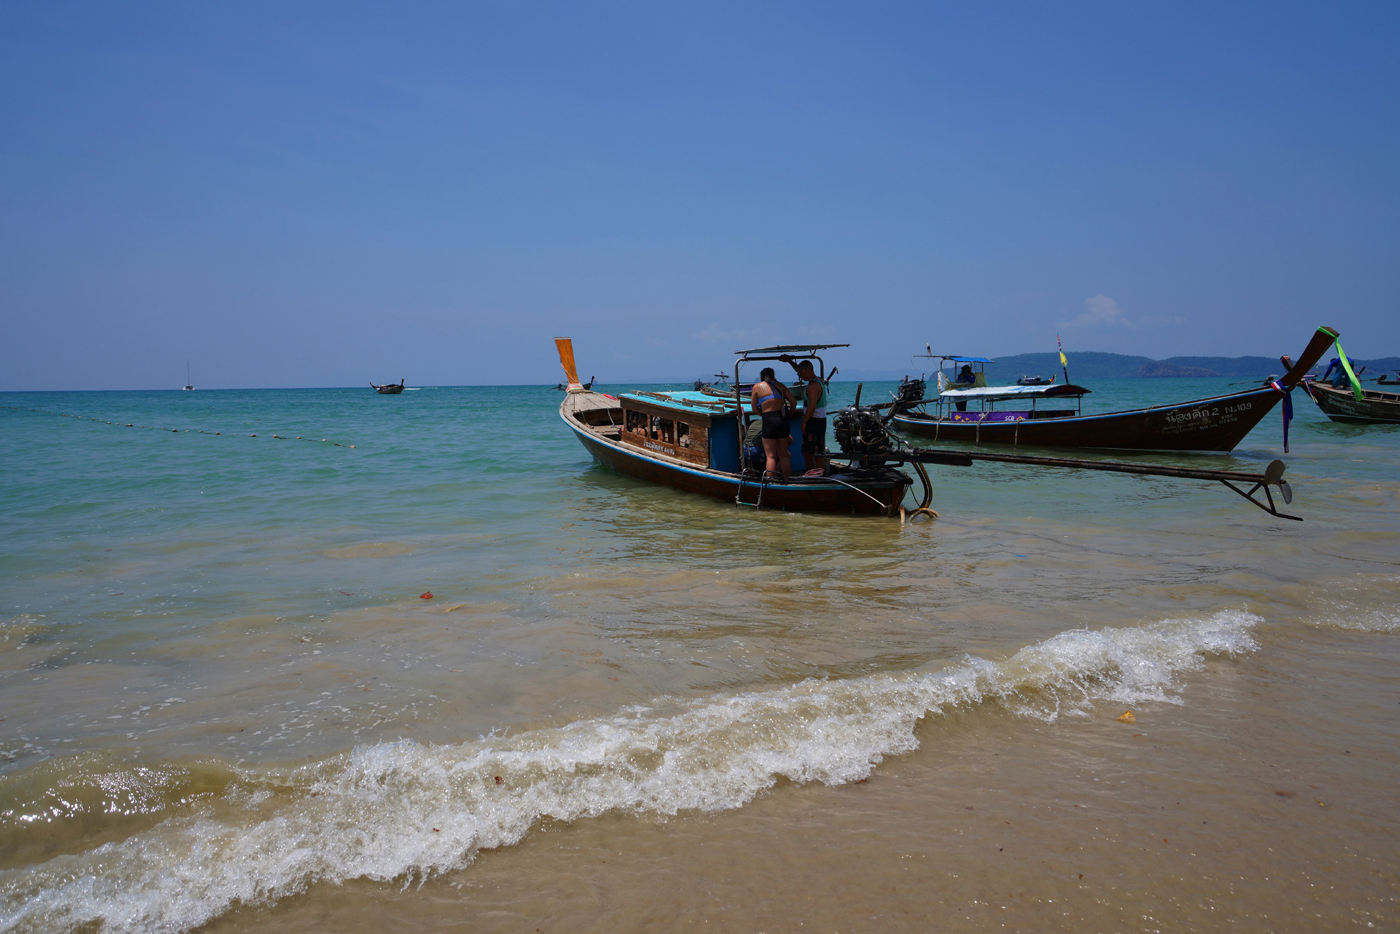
(772, 401)
(813, 413)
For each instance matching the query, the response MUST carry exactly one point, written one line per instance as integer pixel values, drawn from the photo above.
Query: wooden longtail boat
(1341, 404)
(1213, 425)
(389, 389)
(692, 441)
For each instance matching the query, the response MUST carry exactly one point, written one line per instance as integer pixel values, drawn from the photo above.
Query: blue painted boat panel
(724, 444)
(799, 463)
(687, 401)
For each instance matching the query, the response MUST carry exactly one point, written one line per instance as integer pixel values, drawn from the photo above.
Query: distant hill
(1084, 366)
(1090, 365)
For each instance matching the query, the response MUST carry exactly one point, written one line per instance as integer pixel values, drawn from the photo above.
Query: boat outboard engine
(911, 392)
(861, 431)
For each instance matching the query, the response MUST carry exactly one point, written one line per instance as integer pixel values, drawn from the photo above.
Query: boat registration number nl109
(1218, 414)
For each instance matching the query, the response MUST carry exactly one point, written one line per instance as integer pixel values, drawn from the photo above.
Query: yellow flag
(1063, 361)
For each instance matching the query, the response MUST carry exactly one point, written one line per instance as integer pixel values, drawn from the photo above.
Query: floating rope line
(106, 421)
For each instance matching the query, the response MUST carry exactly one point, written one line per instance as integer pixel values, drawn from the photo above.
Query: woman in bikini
(772, 401)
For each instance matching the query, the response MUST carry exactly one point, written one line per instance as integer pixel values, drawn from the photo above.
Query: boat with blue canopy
(694, 440)
(1041, 415)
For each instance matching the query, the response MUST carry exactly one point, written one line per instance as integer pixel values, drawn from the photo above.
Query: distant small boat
(1034, 381)
(560, 387)
(1387, 380)
(189, 383)
(389, 389)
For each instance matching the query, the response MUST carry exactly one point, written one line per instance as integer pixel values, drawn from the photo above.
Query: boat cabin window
(664, 432)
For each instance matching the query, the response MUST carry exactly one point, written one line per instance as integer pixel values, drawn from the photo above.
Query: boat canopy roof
(789, 348)
(1013, 392)
(956, 358)
(684, 401)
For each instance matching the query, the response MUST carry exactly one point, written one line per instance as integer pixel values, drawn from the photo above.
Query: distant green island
(1088, 365)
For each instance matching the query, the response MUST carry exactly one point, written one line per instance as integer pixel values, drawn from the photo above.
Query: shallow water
(223, 700)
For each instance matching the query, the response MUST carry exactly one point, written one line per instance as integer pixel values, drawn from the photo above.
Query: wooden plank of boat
(1341, 405)
(1213, 425)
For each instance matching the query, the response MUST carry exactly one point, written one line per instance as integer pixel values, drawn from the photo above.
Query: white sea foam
(1374, 620)
(1368, 605)
(406, 811)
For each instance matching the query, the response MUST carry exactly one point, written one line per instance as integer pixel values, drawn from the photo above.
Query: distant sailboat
(189, 383)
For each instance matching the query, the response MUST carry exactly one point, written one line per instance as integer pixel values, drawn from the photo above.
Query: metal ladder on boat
(762, 485)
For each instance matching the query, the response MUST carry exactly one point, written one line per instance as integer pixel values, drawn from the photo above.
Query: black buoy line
(230, 434)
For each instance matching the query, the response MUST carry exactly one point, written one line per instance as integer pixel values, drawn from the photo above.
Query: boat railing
(782, 353)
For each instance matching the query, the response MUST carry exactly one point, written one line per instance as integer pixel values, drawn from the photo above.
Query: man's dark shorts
(814, 437)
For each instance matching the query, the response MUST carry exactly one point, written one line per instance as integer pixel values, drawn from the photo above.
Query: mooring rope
(884, 506)
(106, 421)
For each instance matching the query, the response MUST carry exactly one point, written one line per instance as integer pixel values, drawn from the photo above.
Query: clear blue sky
(323, 194)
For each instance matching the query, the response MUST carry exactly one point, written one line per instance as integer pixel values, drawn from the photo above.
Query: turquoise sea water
(202, 593)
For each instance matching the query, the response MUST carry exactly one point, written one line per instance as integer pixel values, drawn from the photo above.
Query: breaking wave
(406, 811)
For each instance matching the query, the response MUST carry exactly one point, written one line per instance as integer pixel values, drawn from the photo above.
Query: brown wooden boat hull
(869, 497)
(1341, 405)
(1215, 425)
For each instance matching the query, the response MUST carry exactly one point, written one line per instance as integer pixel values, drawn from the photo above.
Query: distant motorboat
(189, 383)
(389, 389)
(1034, 381)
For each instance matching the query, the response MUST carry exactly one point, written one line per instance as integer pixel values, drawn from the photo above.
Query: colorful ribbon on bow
(1287, 409)
(1346, 365)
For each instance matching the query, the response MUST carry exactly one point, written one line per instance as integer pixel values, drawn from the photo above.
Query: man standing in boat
(772, 401)
(813, 413)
